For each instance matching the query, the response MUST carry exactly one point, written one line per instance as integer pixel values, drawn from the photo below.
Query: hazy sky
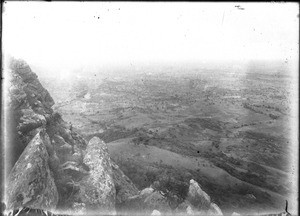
(67, 35)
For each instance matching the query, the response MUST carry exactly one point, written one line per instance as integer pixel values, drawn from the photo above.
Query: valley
(227, 127)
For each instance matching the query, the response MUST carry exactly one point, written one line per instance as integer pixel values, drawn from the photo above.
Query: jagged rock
(186, 208)
(147, 201)
(214, 210)
(146, 192)
(155, 212)
(67, 174)
(77, 156)
(30, 120)
(66, 135)
(157, 201)
(182, 207)
(28, 104)
(198, 202)
(124, 186)
(30, 182)
(66, 148)
(97, 190)
(25, 211)
(36, 95)
(62, 148)
(189, 210)
(17, 96)
(79, 208)
(58, 140)
(197, 197)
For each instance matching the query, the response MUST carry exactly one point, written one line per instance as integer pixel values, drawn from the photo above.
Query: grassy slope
(217, 128)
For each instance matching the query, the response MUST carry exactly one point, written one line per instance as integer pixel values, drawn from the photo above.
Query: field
(227, 127)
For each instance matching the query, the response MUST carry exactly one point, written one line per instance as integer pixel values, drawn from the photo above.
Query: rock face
(198, 202)
(29, 105)
(97, 190)
(31, 182)
(197, 197)
(53, 167)
(214, 210)
(31, 91)
(124, 186)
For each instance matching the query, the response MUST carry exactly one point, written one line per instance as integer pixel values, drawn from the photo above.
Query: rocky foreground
(53, 169)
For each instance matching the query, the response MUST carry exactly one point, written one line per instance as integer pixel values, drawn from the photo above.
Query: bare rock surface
(214, 210)
(36, 95)
(30, 183)
(199, 202)
(97, 190)
(65, 173)
(124, 186)
(146, 202)
(157, 201)
(197, 197)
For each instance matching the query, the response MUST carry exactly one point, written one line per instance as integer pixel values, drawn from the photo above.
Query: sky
(64, 36)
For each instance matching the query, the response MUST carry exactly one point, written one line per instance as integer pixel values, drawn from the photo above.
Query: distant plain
(226, 126)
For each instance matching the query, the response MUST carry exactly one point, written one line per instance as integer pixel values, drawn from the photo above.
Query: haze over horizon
(63, 36)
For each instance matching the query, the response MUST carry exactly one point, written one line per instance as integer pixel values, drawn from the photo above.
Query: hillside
(52, 168)
(227, 128)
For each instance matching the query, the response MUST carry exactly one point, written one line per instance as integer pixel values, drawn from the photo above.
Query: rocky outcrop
(197, 197)
(157, 201)
(26, 88)
(124, 186)
(97, 189)
(151, 201)
(214, 210)
(146, 202)
(53, 167)
(29, 105)
(198, 202)
(155, 213)
(31, 182)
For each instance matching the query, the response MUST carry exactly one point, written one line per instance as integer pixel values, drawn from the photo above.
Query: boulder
(185, 208)
(30, 120)
(146, 192)
(30, 183)
(124, 186)
(157, 201)
(198, 202)
(189, 211)
(214, 210)
(197, 197)
(155, 212)
(97, 189)
(182, 207)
